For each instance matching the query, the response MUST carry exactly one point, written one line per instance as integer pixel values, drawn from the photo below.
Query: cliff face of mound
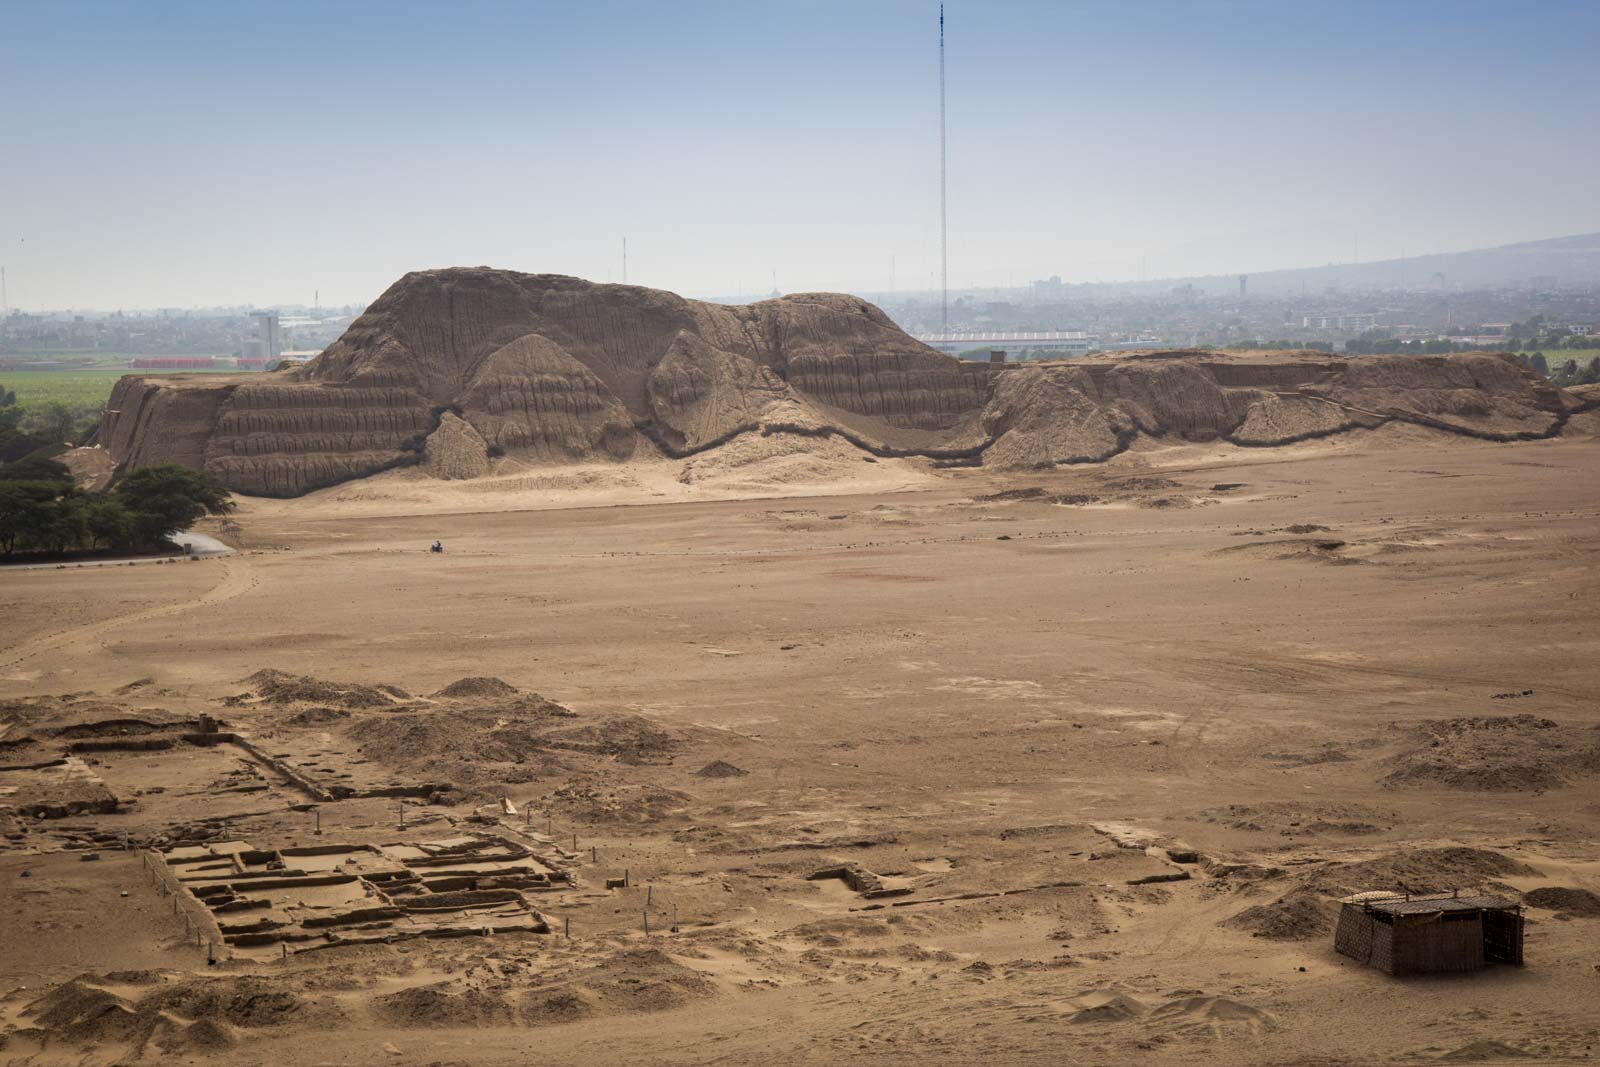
(451, 368)
(548, 368)
(1088, 410)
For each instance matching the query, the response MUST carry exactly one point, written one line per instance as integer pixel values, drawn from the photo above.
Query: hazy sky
(176, 154)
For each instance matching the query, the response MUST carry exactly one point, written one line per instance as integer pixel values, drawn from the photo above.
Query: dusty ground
(1362, 664)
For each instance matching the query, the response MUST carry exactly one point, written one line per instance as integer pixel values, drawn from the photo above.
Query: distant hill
(1558, 262)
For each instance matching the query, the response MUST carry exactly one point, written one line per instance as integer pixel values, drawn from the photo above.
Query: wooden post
(594, 854)
(625, 882)
(319, 822)
(649, 895)
(647, 922)
(574, 840)
(567, 926)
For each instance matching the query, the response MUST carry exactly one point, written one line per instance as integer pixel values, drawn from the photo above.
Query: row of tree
(43, 511)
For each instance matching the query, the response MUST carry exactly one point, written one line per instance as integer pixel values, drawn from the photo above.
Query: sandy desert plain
(990, 705)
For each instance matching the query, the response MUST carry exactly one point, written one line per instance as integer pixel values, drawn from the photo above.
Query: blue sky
(177, 154)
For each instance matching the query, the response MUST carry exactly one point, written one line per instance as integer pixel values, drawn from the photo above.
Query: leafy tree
(164, 500)
(1539, 363)
(25, 512)
(10, 413)
(54, 421)
(110, 524)
(37, 470)
(66, 523)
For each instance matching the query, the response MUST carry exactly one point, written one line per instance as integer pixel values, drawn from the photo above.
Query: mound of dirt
(1577, 903)
(628, 738)
(515, 730)
(549, 1007)
(547, 368)
(593, 802)
(193, 1014)
(721, 769)
(202, 1035)
(477, 687)
(643, 980)
(448, 367)
(80, 1011)
(280, 687)
(1104, 1006)
(1298, 819)
(1425, 870)
(437, 1006)
(1298, 915)
(245, 1002)
(1216, 1015)
(1501, 754)
(627, 983)
(317, 717)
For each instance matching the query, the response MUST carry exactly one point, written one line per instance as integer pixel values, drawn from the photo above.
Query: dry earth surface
(981, 706)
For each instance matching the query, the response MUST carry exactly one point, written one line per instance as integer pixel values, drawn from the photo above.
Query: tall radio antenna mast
(944, 245)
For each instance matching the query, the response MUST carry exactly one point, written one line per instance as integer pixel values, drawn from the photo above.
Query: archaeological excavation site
(783, 690)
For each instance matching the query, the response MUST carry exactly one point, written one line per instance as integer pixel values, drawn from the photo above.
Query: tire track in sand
(238, 578)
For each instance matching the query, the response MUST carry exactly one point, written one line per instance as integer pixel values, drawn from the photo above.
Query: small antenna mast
(624, 261)
(944, 245)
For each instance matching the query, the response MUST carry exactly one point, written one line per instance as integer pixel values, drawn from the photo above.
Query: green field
(84, 387)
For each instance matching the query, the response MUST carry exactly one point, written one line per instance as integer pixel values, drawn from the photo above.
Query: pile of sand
(629, 982)
(1568, 902)
(477, 687)
(177, 1014)
(1298, 915)
(507, 731)
(721, 769)
(1104, 1006)
(1423, 870)
(480, 743)
(1213, 1016)
(79, 1011)
(594, 801)
(763, 462)
(1510, 753)
(437, 1006)
(628, 738)
(272, 686)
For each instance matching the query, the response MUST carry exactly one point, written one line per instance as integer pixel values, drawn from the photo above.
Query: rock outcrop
(449, 368)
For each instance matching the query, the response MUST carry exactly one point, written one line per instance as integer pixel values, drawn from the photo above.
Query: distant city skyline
(184, 154)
